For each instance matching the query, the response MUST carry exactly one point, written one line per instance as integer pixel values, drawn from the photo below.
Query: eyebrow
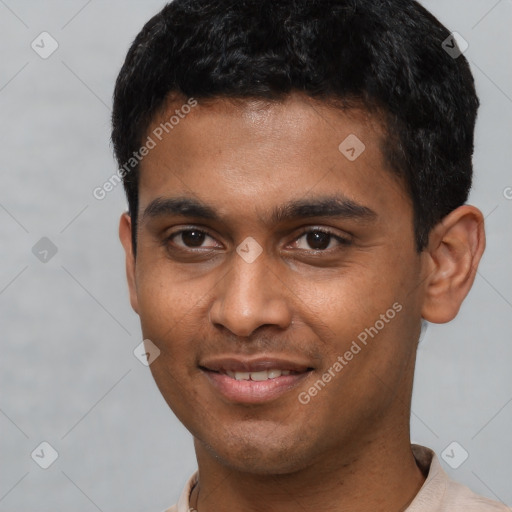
(335, 206)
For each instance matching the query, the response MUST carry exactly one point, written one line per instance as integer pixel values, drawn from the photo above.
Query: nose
(250, 296)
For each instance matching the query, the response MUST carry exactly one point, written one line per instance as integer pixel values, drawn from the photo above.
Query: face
(279, 280)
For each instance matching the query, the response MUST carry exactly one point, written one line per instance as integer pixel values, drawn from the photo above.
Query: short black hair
(387, 54)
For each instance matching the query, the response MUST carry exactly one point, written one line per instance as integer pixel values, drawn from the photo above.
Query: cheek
(344, 304)
(164, 300)
(368, 318)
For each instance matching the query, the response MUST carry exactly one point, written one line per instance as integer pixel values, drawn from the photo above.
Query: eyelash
(344, 242)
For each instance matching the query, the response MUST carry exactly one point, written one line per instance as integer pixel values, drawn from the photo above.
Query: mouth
(258, 376)
(254, 381)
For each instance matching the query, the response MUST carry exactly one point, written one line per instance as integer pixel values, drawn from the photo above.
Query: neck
(382, 477)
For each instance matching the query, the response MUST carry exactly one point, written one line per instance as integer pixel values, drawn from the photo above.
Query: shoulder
(460, 497)
(440, 493)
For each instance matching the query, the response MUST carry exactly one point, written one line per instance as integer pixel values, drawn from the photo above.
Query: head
(331, 141)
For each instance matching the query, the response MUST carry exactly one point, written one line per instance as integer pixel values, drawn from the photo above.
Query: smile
(257, 376)
(253, 381)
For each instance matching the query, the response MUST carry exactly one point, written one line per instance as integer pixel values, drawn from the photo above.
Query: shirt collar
(434, 487)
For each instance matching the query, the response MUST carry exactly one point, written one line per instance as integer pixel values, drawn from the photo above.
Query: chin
(248, 452)
(258, 463)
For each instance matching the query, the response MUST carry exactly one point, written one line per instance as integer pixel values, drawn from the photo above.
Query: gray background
(68, 374)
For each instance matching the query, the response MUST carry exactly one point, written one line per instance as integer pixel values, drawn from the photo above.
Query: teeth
(257, 376)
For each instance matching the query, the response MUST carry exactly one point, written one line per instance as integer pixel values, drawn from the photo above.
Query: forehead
(254, 123)
(256, 151)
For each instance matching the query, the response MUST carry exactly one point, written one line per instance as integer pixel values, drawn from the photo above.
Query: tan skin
(348, 449)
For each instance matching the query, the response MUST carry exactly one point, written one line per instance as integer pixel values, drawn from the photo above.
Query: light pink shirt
(439, 493)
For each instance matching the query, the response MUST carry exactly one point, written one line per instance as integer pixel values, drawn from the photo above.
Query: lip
(249, 391)
(238, 364)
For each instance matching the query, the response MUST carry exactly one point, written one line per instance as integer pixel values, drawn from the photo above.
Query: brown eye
(320, 240)
(193, 237)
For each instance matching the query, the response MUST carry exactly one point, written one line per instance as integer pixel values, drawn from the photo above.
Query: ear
(454, 251)
(125, 235)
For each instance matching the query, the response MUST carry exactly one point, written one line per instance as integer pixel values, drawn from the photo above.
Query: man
(297, 172)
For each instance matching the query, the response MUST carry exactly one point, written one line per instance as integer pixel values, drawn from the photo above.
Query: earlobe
(455, 248)
(125, 235)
